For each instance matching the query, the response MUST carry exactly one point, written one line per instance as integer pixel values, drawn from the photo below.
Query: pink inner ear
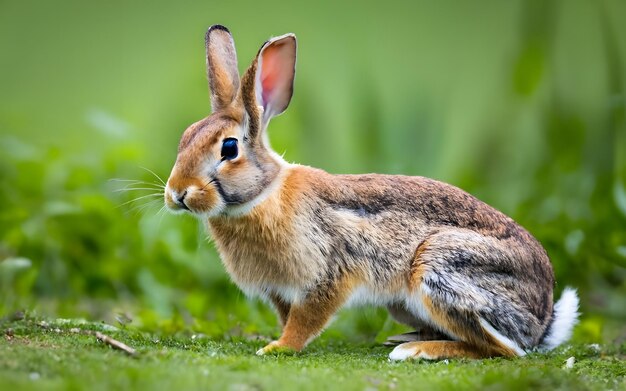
(268, 82)
(276, 74)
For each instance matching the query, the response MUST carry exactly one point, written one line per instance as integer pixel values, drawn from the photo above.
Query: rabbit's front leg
(282, 308)
(307, 318)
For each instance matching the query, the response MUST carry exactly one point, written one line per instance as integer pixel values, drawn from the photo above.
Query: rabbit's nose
(179, 198)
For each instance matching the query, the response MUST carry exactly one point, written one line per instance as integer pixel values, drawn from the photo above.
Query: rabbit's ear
(268, 83)
(276, 70)
(221, 64)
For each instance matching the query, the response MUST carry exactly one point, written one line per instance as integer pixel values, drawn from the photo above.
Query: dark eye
(229, 149)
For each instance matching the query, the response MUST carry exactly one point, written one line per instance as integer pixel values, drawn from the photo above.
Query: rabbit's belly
(365, 295)
(414, 304)
(410, 301)
(289, 294)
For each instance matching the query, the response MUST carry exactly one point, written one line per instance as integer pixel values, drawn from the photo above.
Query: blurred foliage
(521, 103)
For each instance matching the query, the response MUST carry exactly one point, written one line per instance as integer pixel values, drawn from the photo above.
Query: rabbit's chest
(260, 258)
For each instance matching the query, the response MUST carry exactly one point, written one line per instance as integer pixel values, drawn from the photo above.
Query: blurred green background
(521, 103)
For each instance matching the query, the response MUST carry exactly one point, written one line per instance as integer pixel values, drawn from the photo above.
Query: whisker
(129, 184)
(134, 180)
(155, 175)
(207, 184)
(140, 183)
(147, 205)
(137, 188)
(123, 180)
(139, 198)
(141, 207)
(161, 209)
(162, 213)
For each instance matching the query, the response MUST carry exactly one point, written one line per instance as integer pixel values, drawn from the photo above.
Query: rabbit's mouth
(176, 201)
(192, 198)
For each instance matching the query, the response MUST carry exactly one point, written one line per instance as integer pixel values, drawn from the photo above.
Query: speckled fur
(308, 241)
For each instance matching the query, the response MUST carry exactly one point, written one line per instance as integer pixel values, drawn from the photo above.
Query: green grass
(50, 355)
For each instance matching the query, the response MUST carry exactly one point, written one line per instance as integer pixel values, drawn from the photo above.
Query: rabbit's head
(224, 161)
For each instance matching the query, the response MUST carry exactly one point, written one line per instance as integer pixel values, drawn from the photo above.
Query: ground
(61, 354)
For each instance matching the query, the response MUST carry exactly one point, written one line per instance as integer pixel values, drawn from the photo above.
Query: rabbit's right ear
(267, 85)
(221, 63)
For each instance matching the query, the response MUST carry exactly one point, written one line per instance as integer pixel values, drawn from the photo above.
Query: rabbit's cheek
(203, 200)
(240, 181)
(233, 168)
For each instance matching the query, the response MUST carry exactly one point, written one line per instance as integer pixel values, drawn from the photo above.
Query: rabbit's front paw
(274, 348)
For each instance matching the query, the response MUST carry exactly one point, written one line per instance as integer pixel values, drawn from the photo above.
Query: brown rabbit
(310, 242)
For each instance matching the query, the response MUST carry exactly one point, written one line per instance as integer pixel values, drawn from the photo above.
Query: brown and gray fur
(310, 242)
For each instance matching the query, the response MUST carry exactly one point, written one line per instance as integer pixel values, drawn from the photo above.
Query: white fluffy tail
(564, 319)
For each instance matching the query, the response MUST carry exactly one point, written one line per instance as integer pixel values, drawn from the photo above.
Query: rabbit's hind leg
(473, 337)
(423, 331)
(454, 287)
(435, 350)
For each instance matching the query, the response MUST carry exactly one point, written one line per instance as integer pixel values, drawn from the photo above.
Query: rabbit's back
(429, 202)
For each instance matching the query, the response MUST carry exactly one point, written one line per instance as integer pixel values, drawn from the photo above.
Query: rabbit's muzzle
(192, 195)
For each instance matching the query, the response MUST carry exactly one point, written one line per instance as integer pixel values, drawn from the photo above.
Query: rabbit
(309, 242)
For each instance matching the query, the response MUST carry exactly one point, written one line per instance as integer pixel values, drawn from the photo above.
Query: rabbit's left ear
(270, 78)
(221, 63)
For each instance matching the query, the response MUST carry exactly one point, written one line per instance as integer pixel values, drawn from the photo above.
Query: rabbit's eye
(229, 149)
